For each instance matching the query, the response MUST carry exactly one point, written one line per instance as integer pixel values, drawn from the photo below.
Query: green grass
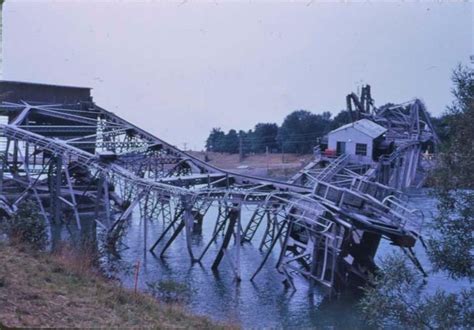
(42, 290)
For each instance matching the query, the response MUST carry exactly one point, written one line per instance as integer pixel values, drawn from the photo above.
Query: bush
(170, 291)
(26, 226)
(398, 299)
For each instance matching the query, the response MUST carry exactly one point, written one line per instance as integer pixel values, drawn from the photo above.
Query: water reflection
(264, 302)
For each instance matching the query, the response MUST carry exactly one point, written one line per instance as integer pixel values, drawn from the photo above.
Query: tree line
(298, 133)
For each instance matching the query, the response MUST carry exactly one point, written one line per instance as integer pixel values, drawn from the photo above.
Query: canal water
(265, 302)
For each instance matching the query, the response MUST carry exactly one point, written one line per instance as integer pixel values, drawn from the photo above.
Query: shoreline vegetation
(40, 289)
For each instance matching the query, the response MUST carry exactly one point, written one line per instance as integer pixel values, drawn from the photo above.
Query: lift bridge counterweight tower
(73, 157)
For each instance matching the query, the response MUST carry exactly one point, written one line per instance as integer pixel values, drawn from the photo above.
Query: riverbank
(43, 290)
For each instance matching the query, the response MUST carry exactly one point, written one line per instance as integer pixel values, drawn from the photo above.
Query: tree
(300, 130)
(231, 142)
(342, 118)
(265, 135)
(246, 137)
(398, 295)
(452, 248)
(442, 126)
(218, 141)
(215, 141)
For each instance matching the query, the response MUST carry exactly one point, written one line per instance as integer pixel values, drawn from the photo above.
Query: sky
(179, 69)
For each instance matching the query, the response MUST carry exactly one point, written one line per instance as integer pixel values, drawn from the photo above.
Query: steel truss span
(325, 223)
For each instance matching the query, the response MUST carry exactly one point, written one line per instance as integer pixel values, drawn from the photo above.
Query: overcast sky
(180, 69)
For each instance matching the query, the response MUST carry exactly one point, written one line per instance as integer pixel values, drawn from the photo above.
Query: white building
(356, 139)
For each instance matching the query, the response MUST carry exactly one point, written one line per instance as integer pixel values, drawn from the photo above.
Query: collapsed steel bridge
(73, 157)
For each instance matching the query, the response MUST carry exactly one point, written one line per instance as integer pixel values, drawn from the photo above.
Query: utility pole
(266, 151)
(241, 150)
(282, 152)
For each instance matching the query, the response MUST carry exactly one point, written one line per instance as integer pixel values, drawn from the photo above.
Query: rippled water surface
(265, 302)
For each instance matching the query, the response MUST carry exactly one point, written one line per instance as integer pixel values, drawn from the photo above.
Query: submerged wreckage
(73, 157)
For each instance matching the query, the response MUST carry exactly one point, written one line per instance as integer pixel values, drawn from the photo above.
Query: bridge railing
(414, 218)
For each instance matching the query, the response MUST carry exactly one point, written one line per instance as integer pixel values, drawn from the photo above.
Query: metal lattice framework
(326, 222)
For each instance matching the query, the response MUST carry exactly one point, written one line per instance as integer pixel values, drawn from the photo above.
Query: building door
(340, 148)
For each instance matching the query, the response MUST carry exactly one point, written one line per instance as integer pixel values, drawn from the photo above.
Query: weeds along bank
(58, 290)
(64, 289)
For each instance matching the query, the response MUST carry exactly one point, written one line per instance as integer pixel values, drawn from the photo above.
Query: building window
(361, 149)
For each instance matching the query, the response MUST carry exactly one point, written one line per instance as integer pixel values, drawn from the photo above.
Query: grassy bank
(39, 289)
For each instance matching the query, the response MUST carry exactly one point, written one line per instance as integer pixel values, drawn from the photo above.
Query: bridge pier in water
(325, 224)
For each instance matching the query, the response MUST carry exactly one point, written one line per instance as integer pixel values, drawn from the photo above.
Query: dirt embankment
(42, 290)
(281, 166)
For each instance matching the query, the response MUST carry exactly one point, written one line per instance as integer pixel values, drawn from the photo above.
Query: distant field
(271, 165)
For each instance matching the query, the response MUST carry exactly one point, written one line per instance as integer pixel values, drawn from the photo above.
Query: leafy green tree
(342, 118)
(442, 126)
(215, 141)
(398, 295)
(231, 142)
(218, 141)
(452, 248)
(300, 130)
(326, 115)
(265, 135)
(246, 137)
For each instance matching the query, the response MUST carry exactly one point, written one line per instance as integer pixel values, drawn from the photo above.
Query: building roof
(365, 126)
(15, 91)
(16, 82)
